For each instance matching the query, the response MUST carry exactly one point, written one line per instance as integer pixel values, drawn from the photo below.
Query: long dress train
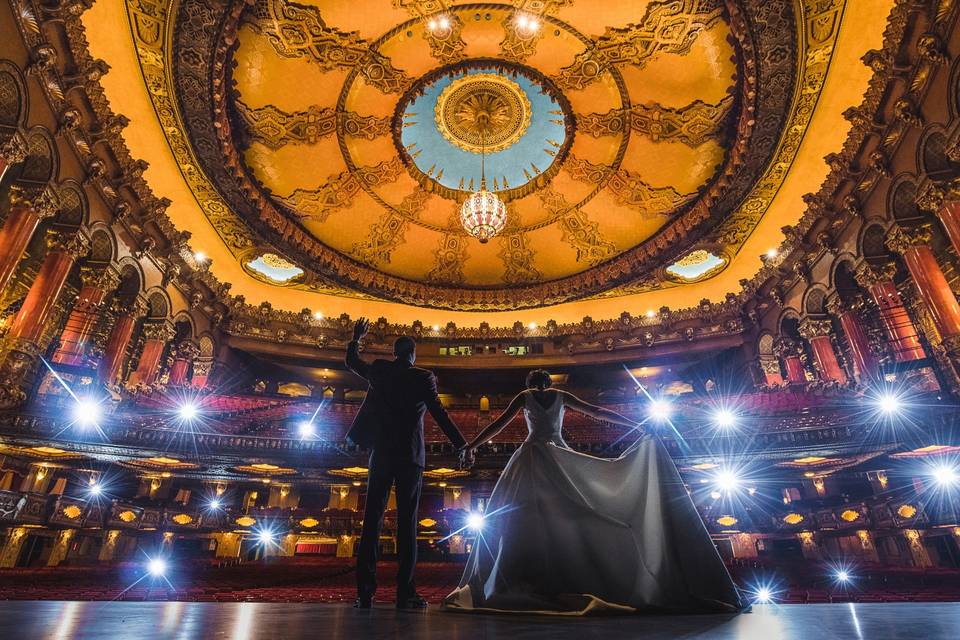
(568, 533)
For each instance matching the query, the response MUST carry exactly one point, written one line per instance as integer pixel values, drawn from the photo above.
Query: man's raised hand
(360, 328)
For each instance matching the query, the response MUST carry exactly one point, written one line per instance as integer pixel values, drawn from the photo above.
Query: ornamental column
(76, 336)
(22, 221)
(157, 334)
(913, 245)
(770, 367)
(12, 151)
(789, 352)
(115, 354)
(901, 332)
(22, 343)
(817, 333)
(182, 359)
(202, 368)
(865, 365)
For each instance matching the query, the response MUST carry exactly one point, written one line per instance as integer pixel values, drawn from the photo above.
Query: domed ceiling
(637, 145)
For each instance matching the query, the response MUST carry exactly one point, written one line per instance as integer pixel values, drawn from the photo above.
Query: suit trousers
(382, 475)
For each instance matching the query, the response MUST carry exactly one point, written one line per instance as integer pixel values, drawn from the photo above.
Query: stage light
(659, 409)
(763, 595)
(436, 327)
(889, 404)
(95, 489)
(650, 313)
(945, 475)
(86, 412)
(772, 252)
(532, 326)
(266, 536)
(716, 495)
(727, 480)
(157, 567)
(724, 418)
(475, 521)
(318, 315)
(200, 257)
(187, 411)
(306, 429)
(213, 505)
(843, 575)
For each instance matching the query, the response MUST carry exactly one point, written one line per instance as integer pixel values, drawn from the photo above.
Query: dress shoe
(412, 602)
(363, 603)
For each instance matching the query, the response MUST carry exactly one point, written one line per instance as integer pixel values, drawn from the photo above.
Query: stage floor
(27, 620)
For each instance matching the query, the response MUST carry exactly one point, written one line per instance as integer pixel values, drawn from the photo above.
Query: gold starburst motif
(483, 111)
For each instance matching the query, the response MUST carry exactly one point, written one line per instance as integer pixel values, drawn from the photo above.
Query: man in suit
(390, 423)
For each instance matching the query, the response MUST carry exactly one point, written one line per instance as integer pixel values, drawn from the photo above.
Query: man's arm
(353, 360)
(440, 414)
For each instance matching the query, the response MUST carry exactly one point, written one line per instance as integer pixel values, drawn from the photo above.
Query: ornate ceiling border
(622, 269)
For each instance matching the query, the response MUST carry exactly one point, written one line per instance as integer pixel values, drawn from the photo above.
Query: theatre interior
(736, 222)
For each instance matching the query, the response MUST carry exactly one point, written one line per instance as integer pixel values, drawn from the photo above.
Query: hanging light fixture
(483, 213)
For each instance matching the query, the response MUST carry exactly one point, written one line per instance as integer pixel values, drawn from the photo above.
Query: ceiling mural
(636, 147)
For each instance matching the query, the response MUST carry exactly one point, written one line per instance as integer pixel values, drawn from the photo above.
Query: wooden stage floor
(26, 620)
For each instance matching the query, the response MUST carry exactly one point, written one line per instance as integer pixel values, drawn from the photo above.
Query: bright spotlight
(660, 409)
(724, 418)
(843, 575)
(763, 595)
(444, 22)
(306, 429)
(86, 412)
(475, 521)
(945, 475)
(266, 536)
(727, 480)
(95, 489)
(187, 411)
(889, 404)
(200, 257)
(214, 504)
(157, 567)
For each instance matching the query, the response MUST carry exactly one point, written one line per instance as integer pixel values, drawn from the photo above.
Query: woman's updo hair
(539, 379)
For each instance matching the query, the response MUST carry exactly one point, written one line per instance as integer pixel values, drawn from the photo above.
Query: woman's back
(543, 410)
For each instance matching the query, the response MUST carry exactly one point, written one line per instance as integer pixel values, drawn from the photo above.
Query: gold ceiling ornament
(483, 112)
(577, 229)
(793, 518)
(297, 30)
(388, 232)
(726, 521)
(906, 511)
(693, 125)
(127, 516)
(671, 26)
(340, 190)
(275, 128)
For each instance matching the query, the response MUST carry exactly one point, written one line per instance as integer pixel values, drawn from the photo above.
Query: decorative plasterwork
(573, 288)
(693, 124)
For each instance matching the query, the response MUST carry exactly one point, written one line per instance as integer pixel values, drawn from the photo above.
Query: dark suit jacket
(391, 419)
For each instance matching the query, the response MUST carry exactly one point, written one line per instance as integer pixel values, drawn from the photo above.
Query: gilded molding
(693, 125)
(671, 26)
(298, 31)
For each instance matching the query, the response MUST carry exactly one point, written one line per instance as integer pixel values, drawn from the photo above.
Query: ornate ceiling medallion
(483, 111)
(526, 128)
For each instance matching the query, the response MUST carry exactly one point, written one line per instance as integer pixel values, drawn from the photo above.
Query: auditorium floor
(252, 621)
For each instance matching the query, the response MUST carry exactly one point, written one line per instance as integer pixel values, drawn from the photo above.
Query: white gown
(568, 533)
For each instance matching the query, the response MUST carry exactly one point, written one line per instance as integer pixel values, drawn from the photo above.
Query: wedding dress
(568, 533)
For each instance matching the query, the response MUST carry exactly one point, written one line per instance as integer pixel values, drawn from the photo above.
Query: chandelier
(483, 214)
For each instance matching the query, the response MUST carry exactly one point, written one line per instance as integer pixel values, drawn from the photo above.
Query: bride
(568, 533)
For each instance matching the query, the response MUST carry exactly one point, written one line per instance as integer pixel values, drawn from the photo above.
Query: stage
(255, 620)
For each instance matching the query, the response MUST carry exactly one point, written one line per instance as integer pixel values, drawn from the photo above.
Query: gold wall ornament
(483, 107)
(628, 188)
(693, 125)
(298, 31)
(671, 26)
